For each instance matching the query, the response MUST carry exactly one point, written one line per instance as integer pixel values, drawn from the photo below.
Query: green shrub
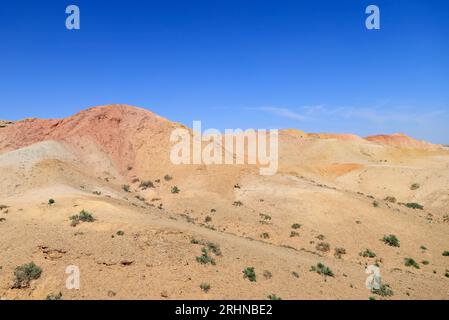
(265, 216)
(205, 258)
(120, 233)
(409, 262)
(175, 190)
(445, 254)
(273, 297)
(322, 270)
(447, 273)
(83, 216)
(383, 291)
(414, 206)
(249, 274)
(391, 240)
(367, 254)
(205, 287)
(24, 274)
(237, 204)
(296, 226)
(54, 296)
(425, 262)
(125, 187)
(51, 202)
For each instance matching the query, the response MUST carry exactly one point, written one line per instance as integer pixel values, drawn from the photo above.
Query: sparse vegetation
(294, 234)
(425, 262)
(207, 219)
(383, 291)
(322, 270)
(375, 203)
(265, 216)
(175, 190)
(54, 296)
(339, 252)
(120, 233)
(323, 246)
(51, 202)
(296, 226)
(445, 253)
(267, 274)
(144, 185)
(168, 177)
(367, 254)
(83, 216)
(409, 262)
(415, 186)
(24, 274)
(295, 274)
(3, 207)
(237, 204)
(391, 240)
(205, 287)
(125, 187)
(249, 274)
(423, 248)
(265, 235)
(320, 237)
(414, 206)
(447, 273)
(273, 297)
(205, 258)
(390, 199)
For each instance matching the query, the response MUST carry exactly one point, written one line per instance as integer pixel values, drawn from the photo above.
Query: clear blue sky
(310, 65)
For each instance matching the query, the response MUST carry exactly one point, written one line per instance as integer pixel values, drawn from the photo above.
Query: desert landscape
(97, 190)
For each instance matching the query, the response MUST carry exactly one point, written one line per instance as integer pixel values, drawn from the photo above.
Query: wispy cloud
(283, 112)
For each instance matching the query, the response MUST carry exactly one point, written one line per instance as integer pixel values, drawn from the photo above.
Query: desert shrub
(2, 219)
(425, 262)
(83, 216)
(445, 254)
(205, 258)
(320, 237)
(175, 189)
(294, 234)
(367, 254)
(207, 219)
(295, 274)
(265, 235)
(391, 240)
(267, 274)
(390, 199)
(414, 205)
(146, 184)
(51, 202)
(265, 216)
(249, 274)
(273, 297)
(423, 248)
(2, 207)
(205, 287)
(375, 204)
(339, 252)
(447, 273)
(215, 248)
(237, 204)
(135, 180)
(383, 291)
(120, 233)
(97, 193)
(24, 274)
(322, 270)
(414, 186)
(409, 262)
(213, 210)
(296, 226)
(168, 177)
(323, 246)
(125, 187)
(237, 186)
(54, 296)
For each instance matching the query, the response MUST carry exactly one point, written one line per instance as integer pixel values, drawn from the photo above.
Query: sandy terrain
(338, 189)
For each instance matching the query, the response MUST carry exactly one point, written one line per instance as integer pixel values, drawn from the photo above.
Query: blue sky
(310, 65)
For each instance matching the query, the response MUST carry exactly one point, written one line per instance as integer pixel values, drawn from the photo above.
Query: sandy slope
(327, 183)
